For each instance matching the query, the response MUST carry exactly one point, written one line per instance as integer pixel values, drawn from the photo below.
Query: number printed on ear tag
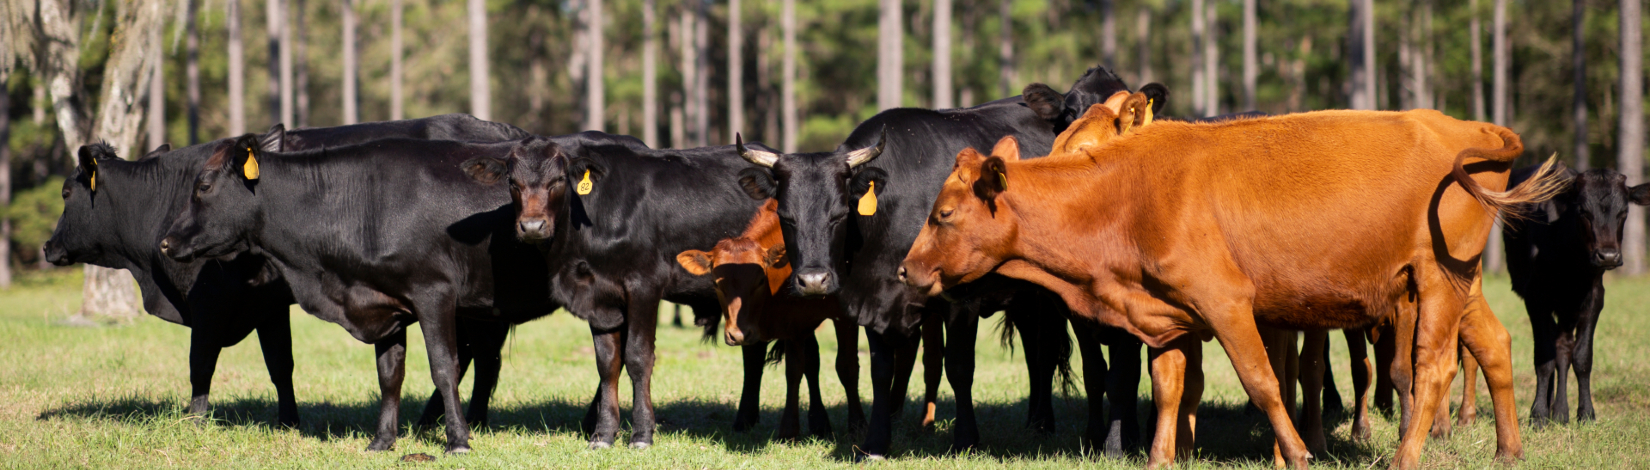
(868, 202)
(584, 186)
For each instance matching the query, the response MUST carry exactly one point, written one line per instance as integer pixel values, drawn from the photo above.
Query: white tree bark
(396, 52)
(237, 70)
(595, 100)
(279, 96)
(352, 101)
(942, 55)
(1005, 49)
(481, 95)
(1211, 58)
(793, 128)
(1476, 31)
(1108, 34)
(1361, 53)
(1199, 30)
(890, 54)
(650, 71)
(1251, 67)
(736, 70)
(1578, 60)
(1630, 144)
(1142, 38)
(157, 98)
(1494, 257)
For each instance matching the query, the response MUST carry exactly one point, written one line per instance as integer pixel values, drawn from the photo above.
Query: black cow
(611, 220)
(838, 247)
(375, 237)
(119, 225)
(1557, 261)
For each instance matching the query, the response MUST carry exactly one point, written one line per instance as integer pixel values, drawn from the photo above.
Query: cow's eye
(203, 188)
(65, 194)
(945, 213)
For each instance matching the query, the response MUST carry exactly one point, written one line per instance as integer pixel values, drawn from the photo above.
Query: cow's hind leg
(1583, 356)
(203, 363)
(750, 395)
(885, 349)
(847, 370)
(1467, 414)
(643, 322)
(819, 422)
(1545, 331)
(1362, 373)
(1487, 340)
(1170, 369)
(959, 364)
(1312, 379)
(1437, 328)
(933, 365)
(1234, 325)
(1096, 382)
(1122, 389)
(392, 358)
(275, 337)
(441, 342)
(487, 348)
(605, 407)
(789, 422)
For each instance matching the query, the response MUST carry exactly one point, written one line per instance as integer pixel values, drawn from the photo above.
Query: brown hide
(750, 270)
(1321, 220)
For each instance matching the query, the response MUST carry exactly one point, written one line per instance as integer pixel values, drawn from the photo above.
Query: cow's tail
(1545, 183)
(1053, 339)
(776, 354)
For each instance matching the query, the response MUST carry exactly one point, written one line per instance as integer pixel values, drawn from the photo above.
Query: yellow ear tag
(584, 184)
(1003, 178)
(94, 174)
(868, 202)
(251, 167)
(1148, 114)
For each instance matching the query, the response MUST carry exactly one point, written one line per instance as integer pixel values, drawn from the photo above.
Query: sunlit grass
(113, 397)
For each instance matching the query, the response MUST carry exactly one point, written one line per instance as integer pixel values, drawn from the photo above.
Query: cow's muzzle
(535, 229)
(1607, 258)
(55, 254)
(814, 282)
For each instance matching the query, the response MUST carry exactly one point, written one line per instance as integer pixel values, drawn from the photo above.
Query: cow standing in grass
(1557, 261)
(116, 211)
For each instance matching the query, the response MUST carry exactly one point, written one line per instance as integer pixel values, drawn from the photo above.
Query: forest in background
(539, 56)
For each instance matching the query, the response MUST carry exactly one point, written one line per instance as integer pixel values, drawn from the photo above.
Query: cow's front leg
(487, 347)
(203, 362)
(1485, 338)
(884, 351)
(642, 322)
(441, 342)
(750, 395)
(605, 407)
(959, 368)
(1362, 373)
(392, 358)
(275, 338)
(847, 370)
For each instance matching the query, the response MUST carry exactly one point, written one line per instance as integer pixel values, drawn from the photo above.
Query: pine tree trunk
(1630, 147)
(1361, 53)
(352, 112)
(942, 55)
(595, 89)
(5, 184)
(701, 80)
(1211, 58)
(1578, 59)
(396, 52)
(1494, 257)
(650, 86)
(793, 128)
(1108, 34)
(480, 92)
(157, 97)
(1479, 113)
(275, 16)
(192, 69)
(237, 71)
(890, 54)
(1198, 82)
(300, 66)
(736, 69)
(1005, 49)
(1251, 67)
(1142, 40)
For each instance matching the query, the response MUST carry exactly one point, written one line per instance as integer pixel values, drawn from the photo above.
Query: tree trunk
(280, 63)
(650, 66)
(1198, 82)
(5, 183)
(192, 69)
(157, 98)
(690, 76)
(1578, 60)
(1142, 40)
(237, 71)
(1406, 66)
(736, 70)
(1251, 67)
(481, 105)
(595, 102)
(1361, 53)
(793, 128)
(1211, 58)
(890, 54)
(352, 113)
(1630, 149)
(701, 80)
(300, 66)
(1108, 33)
(942, 55)
(396, 51)
(1476, 31)
(1494, 257)
(107, 294)
(1005, 49)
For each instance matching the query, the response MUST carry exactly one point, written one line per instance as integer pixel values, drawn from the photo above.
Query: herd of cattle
(1136, 231)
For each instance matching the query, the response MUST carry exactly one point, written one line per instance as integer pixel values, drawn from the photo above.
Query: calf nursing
(1178, 231)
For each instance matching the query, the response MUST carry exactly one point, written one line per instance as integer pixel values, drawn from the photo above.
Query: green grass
(113, 397)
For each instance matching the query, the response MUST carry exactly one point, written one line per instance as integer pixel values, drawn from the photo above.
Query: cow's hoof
(864, 458)
(641, 445)
(380, 445)
(600, 445)
(458, 449)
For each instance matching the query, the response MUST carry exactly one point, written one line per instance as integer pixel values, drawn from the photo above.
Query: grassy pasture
(114, 397)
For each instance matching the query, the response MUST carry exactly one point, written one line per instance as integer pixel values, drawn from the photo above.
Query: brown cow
(750, 271)
(1321, 220)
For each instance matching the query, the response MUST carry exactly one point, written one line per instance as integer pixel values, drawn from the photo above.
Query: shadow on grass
(1230, 435)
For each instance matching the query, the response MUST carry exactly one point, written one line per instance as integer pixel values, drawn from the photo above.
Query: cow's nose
(734, 337)
(813, 283)
(165, 244)
(532, 226)
(55, 254)
(1607, 258)
(902, 274)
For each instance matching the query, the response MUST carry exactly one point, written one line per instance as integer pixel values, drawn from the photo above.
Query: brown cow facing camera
(1178, 232)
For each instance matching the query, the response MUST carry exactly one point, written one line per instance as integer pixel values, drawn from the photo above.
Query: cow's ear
(694, 261)
(246, 153)
(585, 175)
(274, 140)
(1047, 104)
(163, 148)
(484, 170)
(1097, 125)
(1157, 95)
(775, 258)
(993, 179)
(1008, 148)
(757, 183)
(88, 157)
(1639, 194)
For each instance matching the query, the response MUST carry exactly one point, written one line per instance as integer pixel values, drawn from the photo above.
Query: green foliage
(33, 214)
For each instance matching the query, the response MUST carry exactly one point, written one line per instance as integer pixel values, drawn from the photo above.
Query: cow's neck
(1064, 212)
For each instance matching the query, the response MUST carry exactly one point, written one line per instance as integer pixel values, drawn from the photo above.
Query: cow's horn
(758, 157)
(859, 157)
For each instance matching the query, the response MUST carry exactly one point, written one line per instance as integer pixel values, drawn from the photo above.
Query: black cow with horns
(610, 220)
(116, 211)
(1557, 261)
(849, 217)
